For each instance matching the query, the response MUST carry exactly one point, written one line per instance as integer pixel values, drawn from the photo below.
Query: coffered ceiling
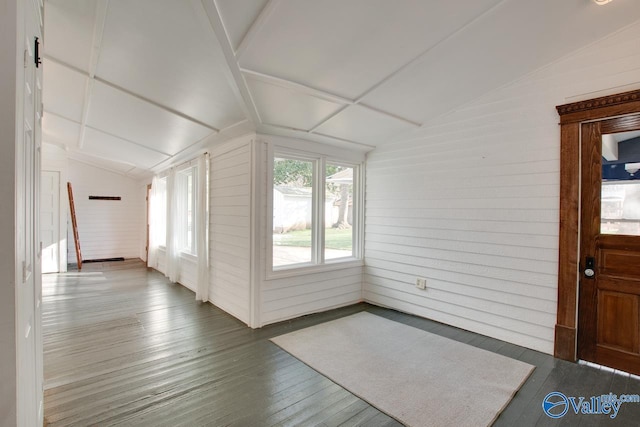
(135, 85)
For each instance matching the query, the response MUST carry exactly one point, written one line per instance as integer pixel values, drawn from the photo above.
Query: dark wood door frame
(572, 116)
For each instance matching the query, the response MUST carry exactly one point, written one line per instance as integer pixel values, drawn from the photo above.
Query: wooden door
(609, 295)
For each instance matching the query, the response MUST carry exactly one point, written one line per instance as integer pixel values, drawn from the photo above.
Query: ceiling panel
(101, 162)
(69, 33)
(480, 58)
(138, 173)
(285, 107)
(238, 17)
(163, 81)
(128, 117)
(109, 147)
(361, 124)
(158, 49)
(56, 129)
(346, 48)
(63, 91)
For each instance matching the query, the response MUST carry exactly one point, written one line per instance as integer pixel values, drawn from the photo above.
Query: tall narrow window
(293, 211)
(338, 212)
(159, 211)
(186, 197)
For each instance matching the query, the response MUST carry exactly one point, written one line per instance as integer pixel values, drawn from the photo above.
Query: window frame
(163, 245)
(190, 170)
(318, 262)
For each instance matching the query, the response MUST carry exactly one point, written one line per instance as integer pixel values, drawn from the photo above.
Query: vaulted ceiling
(136, 85)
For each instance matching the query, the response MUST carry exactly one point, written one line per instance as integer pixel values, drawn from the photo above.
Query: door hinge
(26, 271)
(26, 58)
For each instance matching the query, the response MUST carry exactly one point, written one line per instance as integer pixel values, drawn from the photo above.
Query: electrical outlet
(421, 283)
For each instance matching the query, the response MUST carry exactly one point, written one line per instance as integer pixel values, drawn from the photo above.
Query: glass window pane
(191, 211)
(620, 195)
(292, 211)
(620, 212)
(160, 212)
(338, 212)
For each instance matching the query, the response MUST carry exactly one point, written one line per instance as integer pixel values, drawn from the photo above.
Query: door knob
(590, 267)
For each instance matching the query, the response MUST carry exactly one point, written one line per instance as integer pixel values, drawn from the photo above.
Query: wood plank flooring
(125, 347)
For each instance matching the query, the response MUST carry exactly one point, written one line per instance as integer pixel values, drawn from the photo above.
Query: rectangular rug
(414, 376)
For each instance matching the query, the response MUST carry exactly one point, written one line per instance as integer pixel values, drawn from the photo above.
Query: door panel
(28, 256)
(609, 298)
(615, 308)
(50, 221)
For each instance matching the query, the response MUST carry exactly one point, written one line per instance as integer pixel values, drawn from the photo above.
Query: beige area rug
(416, 377)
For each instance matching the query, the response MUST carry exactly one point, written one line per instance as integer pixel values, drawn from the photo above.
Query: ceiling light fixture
(632, 168)
(601, 2)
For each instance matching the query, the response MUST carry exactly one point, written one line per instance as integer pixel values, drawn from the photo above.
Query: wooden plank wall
(471, 202)
(188, 274)
(230, 242)
(107, 229)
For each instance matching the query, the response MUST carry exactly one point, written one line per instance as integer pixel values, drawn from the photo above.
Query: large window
(315, 211)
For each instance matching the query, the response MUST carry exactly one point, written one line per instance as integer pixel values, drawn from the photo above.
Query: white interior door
(50, 221)
(28, 256)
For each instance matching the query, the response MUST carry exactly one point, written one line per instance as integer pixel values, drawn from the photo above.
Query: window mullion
(319, 211)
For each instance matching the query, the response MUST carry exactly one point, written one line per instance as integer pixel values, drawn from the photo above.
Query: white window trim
(193, 165)
(318, 263)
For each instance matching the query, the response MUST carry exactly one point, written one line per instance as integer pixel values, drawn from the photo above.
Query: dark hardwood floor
(122, 346)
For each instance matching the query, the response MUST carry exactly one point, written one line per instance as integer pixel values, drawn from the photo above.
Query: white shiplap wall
(470, 202)
(188, 268)
(107, 229)
(230, 228)
(303, 292)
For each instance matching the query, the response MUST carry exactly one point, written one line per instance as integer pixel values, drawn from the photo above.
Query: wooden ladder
(74, 223)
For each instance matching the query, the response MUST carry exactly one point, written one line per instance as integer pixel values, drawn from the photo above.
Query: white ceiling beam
(209, 17)
(298, 87)
(156, 104)
(326, 119)
(317, 93)
(102, 7)
(425, 52)
(129, 141)
(287, 131)
(128, 92)
(71, 155)
(255, 27)
(51, 113)
(202, 145)
(386, 113)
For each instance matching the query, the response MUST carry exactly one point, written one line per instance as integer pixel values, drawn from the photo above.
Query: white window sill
(189, 256)
(305, 269)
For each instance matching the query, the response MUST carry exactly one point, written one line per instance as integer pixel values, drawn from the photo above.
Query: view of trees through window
(293, 211)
